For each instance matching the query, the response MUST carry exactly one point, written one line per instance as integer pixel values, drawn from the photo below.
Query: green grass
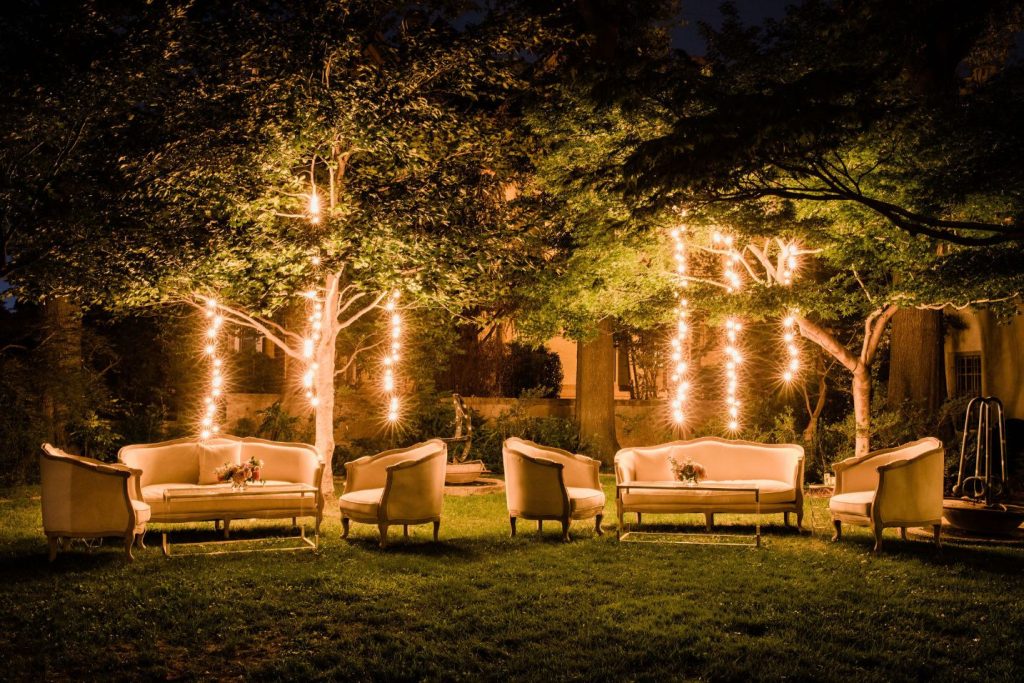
(480, 605)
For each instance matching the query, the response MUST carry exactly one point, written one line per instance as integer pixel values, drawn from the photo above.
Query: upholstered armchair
(403, 486)
(86, 498)
(894, 487)
(549, 483)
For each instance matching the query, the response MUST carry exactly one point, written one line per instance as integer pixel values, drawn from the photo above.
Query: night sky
(695, 11)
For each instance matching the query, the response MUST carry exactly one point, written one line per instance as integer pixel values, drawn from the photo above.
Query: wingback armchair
(548, 483)
(893, 487)
(86, 498)
(403, 486)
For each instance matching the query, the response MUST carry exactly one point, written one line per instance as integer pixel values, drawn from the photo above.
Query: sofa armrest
(534, 486)
(414, 489)
(581, 471)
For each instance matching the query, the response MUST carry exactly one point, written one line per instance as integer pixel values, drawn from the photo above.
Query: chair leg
(512, 523)
(540, 526)
(140, 540)
(405, 531)
(877, 529)
(709, 521)
(639, 519)
(839, 530)
(383, 528)
(597, 525)
(295, 523)
(344, 527)
(129, 541)
(565, 530)
(52, 541)
(437, 528)
(227, 528)
(937, 529)
(216, 525)
(618, 513)
(800, 520)
(785, 519)
(903, 533)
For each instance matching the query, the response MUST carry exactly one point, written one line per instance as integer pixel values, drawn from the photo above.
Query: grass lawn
(480, 605)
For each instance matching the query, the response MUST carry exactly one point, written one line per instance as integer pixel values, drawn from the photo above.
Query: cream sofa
(402, 486)
(548, 483)
(777, 470)
(86, 498)
(893, 487)
(189, 463)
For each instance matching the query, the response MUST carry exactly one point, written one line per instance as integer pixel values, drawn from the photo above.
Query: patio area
(481, 605)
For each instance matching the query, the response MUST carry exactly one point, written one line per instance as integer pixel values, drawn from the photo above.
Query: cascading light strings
(731, 272)
(680, 348)
(212, 402)
(787, 263)
(733, 360)
(392, 357)
(792, 366)
(310, 342)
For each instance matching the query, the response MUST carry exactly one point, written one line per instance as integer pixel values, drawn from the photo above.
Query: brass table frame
(630, 536)
(255, 490)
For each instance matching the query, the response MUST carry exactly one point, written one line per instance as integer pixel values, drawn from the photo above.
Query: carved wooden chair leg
(227, 528)
(129, 541)
(344, 527)
(540, 525)
(877, 529)
(785, 519)
(437, 528)
(295, 524)
(903, 532)
(937, 530)
(405, 531)
(512, 523)
(565, 530)
(800, 520)
(709, 521)
(597, 525)
(839, 530)
(216, 525)
(383, 528)
(639, 519)
(140, 540)
(52, 541)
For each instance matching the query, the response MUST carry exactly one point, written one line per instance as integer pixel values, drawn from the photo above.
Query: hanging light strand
(733, 360)
(392, 357)
(788, 263)
(731, 271)
(311, 342)
(792, 363)
(680, 338)
(210, 424)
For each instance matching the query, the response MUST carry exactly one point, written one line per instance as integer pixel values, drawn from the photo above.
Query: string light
(209, 422)
(314, 206)
(733, 360)
(732, 261)
(787, 263)
(792, 366)
(392, 357)
(680, 349)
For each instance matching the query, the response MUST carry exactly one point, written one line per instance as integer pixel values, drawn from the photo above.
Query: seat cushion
(772, 492)
(854, 503)
(581, 499)
(142, 512)
(362, 503)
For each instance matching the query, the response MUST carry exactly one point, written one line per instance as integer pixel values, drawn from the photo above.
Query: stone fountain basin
(982, 519)
(463, 472)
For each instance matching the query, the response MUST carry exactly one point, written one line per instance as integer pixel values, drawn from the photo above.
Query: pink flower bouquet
(241, 475)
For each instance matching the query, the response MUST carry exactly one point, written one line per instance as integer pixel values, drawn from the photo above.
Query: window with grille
(968, 374)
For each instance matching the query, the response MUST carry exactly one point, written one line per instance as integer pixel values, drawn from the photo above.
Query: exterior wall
(566, 350)
(238, 406)
(1002, 356)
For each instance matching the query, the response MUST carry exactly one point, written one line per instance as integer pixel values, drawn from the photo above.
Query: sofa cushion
(213, 455)
(362, 503)
(772, 491)
(854, 503)
(653, 466)
(581, 499)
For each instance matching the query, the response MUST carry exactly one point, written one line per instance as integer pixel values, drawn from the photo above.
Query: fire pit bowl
(978, 518)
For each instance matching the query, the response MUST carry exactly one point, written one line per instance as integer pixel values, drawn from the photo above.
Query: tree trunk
(595, 393)
(916, 360)
(862, 408)
(324, 384)
(62, 388)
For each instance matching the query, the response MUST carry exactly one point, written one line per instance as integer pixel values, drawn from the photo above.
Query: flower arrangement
(688, 471)
(241, 475)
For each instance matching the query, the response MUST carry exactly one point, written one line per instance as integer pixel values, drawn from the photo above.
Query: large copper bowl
(981, 519)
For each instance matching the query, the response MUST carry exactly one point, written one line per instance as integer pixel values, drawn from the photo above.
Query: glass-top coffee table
(187, 497)
(687, 537)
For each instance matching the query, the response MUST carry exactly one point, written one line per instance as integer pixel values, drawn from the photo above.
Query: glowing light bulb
(314, 207)
(733, 359)
(390, 361)
(680, 347)
(792, 349)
